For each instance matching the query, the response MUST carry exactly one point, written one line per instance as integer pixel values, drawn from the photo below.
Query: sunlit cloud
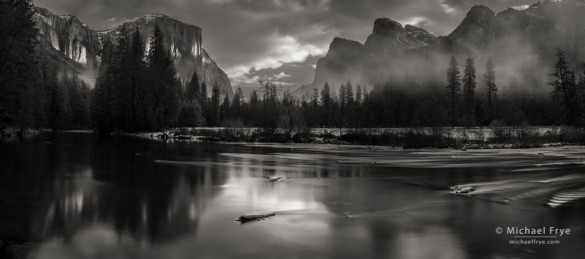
(448, 9)
(415, 21)
(286, 49)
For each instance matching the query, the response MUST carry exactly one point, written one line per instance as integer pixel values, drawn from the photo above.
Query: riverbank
(407, 138)
(15, 133)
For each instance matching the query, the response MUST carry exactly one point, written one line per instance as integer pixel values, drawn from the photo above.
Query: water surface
(83, 195)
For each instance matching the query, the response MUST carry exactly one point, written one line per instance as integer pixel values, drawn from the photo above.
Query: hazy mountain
(348, 59)
(521, 42)
(75, 47)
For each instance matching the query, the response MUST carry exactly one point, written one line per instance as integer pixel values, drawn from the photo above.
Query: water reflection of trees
(118, 185)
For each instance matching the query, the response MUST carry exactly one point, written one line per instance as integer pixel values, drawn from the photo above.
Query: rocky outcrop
(185, 44)
(70, 43)
(76, 47)
(475, 31)
(389, 38)
(345, 59)
(359, 63)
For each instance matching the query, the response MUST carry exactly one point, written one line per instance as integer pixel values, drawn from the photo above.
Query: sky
(279, 40)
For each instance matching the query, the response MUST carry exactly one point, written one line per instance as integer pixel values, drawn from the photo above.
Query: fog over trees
(137, 90)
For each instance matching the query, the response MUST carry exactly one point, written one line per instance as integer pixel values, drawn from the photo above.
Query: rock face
(351, 60)
(185, 44)
(475, 31)
(522, 41)
(77, 48)
(69, 42)
(345, 58)
(390, 38)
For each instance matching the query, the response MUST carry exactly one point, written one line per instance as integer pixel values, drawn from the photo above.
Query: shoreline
(366, 138)
(403, 138)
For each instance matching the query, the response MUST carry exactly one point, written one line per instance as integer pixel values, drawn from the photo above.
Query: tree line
(138, 90)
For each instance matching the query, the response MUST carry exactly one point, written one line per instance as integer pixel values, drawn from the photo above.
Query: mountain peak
(475, 29)
(480, 10)
(151, 16)
(387, 27)
(341, 43)
(77, 46)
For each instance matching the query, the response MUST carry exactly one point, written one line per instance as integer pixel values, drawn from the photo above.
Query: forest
(137, 90)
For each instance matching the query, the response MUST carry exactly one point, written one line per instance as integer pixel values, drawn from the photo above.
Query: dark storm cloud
(266, 34)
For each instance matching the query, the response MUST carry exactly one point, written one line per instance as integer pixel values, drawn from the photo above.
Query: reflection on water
(89, 196)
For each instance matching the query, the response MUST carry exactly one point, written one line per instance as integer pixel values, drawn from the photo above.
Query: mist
(521, 43)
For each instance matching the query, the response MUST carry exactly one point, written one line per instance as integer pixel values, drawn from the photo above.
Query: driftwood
(275, 178)
(462, 189)
(254, 217)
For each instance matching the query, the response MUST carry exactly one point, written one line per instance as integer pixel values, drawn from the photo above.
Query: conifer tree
(214, 106)
(491, 91)
(452, 90)
(237, 104)
(193, 91)
(121, 83)
(326, 104)
(102, 101)
(19, 74)
(254, 109)
(163, 84)
(349, 98)
(469, 84)
(225, 109)
(270, 112)
(138, 86)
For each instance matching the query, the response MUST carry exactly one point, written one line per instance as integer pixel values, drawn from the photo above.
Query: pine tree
(358, 94)
(349, 98)
(237, 104)
(77, 109)
(204, 92)
(315, 98)
(452, 90)
(314, 113)
(469, 84)
(564, 87)
(193, 91)
(191, 115)
(214, 106)
(254, 109)
(491, 90)
(270, 111)
(102, 101)
(342, 98)
(55, 97)
(18, 70)
(326, 104)
(138, 89)
(225, 109)
(205, 102)
(121, 82)
(164, 86)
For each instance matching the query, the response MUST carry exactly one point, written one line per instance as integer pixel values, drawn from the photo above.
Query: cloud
(288, 74)
(268, 34)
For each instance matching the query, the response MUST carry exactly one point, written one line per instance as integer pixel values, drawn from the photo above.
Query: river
(82, 195)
